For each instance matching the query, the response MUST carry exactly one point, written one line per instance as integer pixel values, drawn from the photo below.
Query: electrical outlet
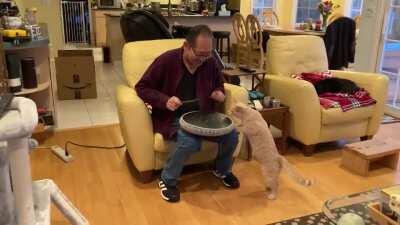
(60, 153)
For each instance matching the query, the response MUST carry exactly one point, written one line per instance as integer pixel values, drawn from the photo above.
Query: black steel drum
(206, 124)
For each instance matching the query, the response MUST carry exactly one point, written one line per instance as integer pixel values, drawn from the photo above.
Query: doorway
(389, 62)
(75, 21)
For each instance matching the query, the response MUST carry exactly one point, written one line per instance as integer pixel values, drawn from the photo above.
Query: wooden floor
(99, 183)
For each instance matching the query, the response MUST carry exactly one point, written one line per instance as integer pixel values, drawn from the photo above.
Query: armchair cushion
(295, 54)
(162, 145)
(137, 56)
(335, 116)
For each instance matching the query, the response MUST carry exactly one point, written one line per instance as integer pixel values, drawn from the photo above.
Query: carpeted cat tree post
(27, 202)
(7, 208)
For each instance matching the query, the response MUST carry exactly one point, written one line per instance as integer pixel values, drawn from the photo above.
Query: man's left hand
(218, 96)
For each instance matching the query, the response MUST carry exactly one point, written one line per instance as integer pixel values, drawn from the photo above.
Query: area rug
(389, 119)
(321, 219)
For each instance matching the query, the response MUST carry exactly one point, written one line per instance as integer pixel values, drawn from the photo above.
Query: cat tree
(27, 202)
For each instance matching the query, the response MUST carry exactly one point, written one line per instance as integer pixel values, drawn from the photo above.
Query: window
(260, 5)
(307, 9)
(356, 7)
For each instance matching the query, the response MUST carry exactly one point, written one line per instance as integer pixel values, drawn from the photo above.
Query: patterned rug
(321, 219)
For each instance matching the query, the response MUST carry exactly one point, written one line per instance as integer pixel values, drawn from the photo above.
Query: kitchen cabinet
(99, 25)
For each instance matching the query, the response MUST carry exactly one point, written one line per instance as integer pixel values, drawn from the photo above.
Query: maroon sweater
(160, 82)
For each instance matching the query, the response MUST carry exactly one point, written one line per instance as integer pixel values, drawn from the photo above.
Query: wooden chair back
(239, 28)
(270, 18)
(242, 44)
(255, 39)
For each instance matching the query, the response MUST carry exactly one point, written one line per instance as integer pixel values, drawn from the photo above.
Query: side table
(258, 75)
(279, 117)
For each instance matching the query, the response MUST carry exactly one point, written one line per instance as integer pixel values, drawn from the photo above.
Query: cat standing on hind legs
(253, 126)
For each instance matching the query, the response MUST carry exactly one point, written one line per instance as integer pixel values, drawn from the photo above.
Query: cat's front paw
(271, 196)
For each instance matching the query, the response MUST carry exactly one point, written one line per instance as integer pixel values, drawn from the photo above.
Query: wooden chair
(255, 38)
(240, 31)
(270, 18)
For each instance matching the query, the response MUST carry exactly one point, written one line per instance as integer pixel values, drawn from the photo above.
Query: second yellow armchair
(310, 123)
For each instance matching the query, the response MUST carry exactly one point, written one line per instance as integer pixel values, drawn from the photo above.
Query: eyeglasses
(202, 56)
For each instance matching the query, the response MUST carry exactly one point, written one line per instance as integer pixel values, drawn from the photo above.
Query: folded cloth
(326, 103)
(334, 100)
(313, 77)
(359, 99)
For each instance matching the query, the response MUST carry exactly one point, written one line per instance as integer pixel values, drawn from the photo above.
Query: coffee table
(358, 157)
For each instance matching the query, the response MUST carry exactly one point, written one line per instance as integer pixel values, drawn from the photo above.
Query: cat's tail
(294, 174)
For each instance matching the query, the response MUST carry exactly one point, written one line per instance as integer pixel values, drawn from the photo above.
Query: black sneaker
(168, 193)
(229, 180)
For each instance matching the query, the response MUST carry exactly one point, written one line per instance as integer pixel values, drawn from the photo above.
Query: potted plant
(326, 8)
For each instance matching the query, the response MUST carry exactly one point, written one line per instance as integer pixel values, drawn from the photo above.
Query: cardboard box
(76, 77)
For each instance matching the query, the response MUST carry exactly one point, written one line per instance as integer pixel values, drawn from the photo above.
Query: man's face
(200, 52)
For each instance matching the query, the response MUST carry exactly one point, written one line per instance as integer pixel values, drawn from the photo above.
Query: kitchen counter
(118, 13)
(108, 9)
(115, 40)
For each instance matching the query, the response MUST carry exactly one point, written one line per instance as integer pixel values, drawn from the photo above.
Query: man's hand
(173, 103)
(218, 96)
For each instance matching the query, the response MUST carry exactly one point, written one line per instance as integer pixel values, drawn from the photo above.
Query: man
(187, 73)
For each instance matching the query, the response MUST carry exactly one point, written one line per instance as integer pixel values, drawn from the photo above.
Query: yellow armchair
(149, 150)
(310, 123)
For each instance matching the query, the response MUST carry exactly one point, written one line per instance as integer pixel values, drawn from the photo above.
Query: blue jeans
(188, 144)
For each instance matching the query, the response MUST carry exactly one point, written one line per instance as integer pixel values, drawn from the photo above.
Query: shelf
(41, 87)
(44, 42)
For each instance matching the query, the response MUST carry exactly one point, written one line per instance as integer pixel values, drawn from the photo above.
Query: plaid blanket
(314, 77)
(335, 100)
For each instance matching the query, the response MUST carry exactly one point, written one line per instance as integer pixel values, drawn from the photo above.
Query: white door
(389, 63)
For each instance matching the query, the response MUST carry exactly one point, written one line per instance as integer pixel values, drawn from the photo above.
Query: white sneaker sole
(162, 188)
(220, 178)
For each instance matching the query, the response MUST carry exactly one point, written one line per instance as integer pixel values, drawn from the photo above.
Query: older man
(179, 75)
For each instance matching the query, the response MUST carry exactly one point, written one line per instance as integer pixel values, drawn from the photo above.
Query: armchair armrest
(234, 94)
(303, 101)
(377, 86)
(137, 128)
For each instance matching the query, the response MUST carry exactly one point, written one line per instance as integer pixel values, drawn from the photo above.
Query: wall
(285, 10)
(49, 13)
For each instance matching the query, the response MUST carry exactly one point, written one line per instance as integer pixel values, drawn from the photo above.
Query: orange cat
(253, 126)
